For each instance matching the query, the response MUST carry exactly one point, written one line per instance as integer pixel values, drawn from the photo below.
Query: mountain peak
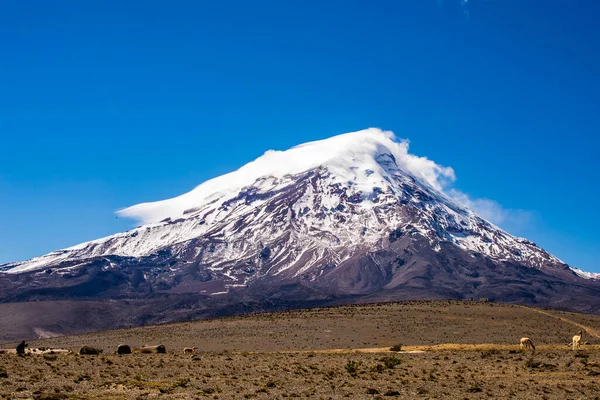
(348, 157)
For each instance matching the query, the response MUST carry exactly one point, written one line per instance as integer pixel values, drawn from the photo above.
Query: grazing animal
(161, 349)
(123, 349)
(189, 350)
(576, 341)
(526, 343)
(90, 351)
(21, 347)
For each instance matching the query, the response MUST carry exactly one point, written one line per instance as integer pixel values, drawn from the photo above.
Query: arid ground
(456, 350)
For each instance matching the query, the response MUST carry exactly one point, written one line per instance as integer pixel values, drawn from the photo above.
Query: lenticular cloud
(342, 155)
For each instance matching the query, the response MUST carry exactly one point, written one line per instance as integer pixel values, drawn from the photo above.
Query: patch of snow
(585, 274)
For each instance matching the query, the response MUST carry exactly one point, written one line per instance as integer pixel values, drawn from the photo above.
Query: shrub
(352, 367)
(3, 373)
(390, 362)
(378, 368)
(183, 382)
(51, 396)
(396, 347)
(532, 364)
(88, 350)
(474, 389)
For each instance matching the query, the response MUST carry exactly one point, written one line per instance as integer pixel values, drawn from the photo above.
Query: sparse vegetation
(379, 368)
(232, 366)
(475, 389)
(441, 374)
(396, 347)
(390, 362)
(352, 367)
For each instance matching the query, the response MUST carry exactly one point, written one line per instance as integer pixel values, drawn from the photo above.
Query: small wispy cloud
(492, 210)
(463, 4)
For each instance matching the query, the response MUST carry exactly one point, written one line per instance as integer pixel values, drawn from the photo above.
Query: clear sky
(105, 104)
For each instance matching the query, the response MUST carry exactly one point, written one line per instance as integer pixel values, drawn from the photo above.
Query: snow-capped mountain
(353, 215)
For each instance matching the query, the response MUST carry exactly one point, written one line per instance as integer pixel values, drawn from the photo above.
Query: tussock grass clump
(378, 368)
(183, 382)
(542, 366)
(352, 367)
(396, 347)
(88, 350)
(51, 396)
(475, 389)
(390, 362)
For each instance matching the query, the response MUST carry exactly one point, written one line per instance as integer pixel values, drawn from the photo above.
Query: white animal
(189, 350)
(526, 343)
(576, 342)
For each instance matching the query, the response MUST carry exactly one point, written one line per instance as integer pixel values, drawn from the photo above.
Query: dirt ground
(351, 327)
(450, 350)
(466, 374)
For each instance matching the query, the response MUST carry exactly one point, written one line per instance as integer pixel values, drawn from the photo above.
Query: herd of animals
(525, 344)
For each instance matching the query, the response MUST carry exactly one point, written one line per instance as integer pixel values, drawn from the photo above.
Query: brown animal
(123, 349)
(189, 350)
(90, 351)
(526, 343)
(21, 347)
(161, 349)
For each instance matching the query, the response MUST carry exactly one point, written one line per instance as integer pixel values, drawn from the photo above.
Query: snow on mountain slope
(343, 155)
(317, 204)
(585, 274)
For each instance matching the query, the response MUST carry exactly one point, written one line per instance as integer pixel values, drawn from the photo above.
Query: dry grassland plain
(450, 350)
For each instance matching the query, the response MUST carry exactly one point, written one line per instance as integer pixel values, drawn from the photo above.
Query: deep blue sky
(104, 104)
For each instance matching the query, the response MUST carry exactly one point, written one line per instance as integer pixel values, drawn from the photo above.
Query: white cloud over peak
(491, 210)
(342, 154)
